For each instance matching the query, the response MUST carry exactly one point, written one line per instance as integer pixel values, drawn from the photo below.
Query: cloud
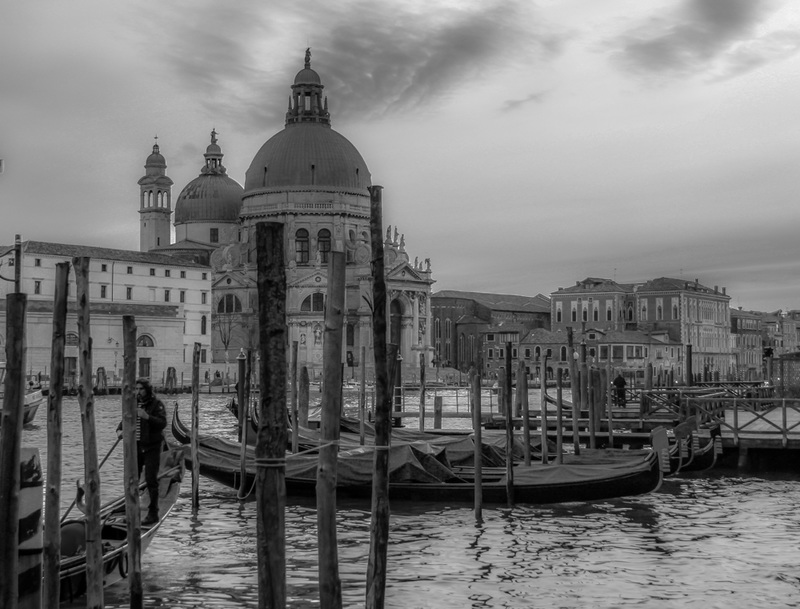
(374, 58)
(690, 37)
(513, 104)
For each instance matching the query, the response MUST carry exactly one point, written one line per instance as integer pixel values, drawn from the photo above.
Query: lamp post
(116, 352)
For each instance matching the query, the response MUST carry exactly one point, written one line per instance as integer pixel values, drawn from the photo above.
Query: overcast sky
(522, 144)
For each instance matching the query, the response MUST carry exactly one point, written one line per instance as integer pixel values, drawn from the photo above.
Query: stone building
(463, 320)
(675, 312)
(314, 181)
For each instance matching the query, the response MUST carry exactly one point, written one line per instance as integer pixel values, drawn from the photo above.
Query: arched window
(203, 325)
(145, 341)
(301, 246)
(229, 304)
(324, 244)
(563, 355)
(314, 302)
(71, 339)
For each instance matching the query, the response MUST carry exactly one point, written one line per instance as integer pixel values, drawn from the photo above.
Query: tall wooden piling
(293, 398)
(543, 376)
(272, 434)
(244, 492)
(362, 396)
(509, 414)
(10, 443)
(559, 416)
(438, 406)
(477, 428)
(422, 392)
(574, 386)
(303, 396)
(330, 585)
(52, 505)
(379, 524)
(524, 411)
(131, 461)
(94, 547)
(194, 448)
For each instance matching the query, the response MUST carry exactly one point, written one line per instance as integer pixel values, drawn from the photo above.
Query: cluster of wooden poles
(37, 562)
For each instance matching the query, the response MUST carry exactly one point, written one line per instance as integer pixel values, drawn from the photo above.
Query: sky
(523, 145)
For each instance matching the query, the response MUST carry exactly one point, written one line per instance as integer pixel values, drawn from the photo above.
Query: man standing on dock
(151, 420)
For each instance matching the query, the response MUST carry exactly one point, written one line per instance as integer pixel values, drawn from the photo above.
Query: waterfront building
(463, 320)
(747, 344)
(169, 298)
(672, 311)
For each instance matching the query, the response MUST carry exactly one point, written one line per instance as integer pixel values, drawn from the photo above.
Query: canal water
(720, 539)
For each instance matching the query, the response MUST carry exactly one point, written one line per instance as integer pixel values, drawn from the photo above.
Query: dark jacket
(152, 429)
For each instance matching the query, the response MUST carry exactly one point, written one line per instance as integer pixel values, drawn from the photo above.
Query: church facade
(313, 180)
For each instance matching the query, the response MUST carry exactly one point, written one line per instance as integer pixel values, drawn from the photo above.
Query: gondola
(114, 531)
(421, 472)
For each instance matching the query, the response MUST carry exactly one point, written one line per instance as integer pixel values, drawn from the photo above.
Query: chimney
(724, 291)
(716, 289)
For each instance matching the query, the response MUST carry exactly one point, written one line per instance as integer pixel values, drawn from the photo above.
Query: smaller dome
(209, 198)
(212, 196)
(307, 76)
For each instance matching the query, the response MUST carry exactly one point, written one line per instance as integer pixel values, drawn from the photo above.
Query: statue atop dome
(308, 59)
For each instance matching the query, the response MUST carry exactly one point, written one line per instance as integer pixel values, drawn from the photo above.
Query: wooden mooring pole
(477, 428)
(379, 524)
(575, 392)
(362, 396)
(509, 413)
(94, 541)
(543, 375)
(272, 433)
(293, 396)
(10, 443)
(194, 448)
(330, 585)
(52, 505)
(131, 461)
(524, 410)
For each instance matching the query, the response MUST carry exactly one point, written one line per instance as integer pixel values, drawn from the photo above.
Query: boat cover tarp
(567, 473)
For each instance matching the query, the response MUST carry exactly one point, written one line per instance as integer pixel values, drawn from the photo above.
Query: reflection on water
(717, 540)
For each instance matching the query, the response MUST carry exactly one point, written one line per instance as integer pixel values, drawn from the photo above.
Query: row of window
(129, 270)
(618, 352)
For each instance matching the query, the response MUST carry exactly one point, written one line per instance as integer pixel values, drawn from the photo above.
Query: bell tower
(155, 203)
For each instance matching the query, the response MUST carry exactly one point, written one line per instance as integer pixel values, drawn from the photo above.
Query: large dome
(209, 198)
(212, 196)
(307, 155)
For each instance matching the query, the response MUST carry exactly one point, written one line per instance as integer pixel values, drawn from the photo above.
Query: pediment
(232, 280)
(403, 272)
(316, 278)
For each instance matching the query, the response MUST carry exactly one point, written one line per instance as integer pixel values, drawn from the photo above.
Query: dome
(308, 155)
(213, 196)
(307, 76)
(209, 198)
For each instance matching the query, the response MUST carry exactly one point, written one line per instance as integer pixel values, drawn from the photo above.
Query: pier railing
(765, 420)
